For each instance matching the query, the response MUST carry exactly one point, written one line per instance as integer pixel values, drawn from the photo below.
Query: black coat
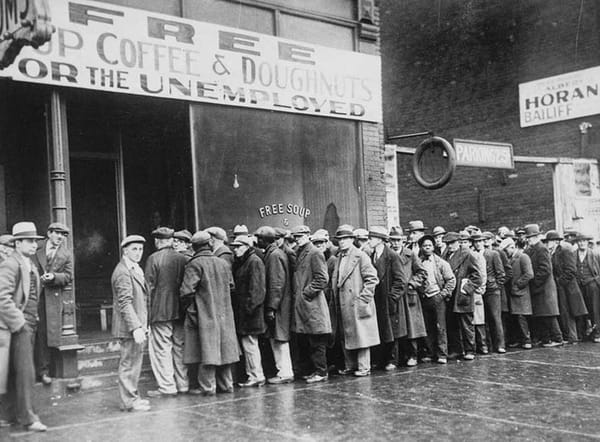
(388, 293)
(564, 267)
(249, 294)
(279, 292)
(544, 297)
(468, 279)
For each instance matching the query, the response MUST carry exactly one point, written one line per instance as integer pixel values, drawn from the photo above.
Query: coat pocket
(365, 310)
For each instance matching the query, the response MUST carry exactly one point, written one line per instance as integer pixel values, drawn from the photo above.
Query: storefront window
(257, 168)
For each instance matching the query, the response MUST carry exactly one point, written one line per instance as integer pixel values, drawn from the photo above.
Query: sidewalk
(540, 394)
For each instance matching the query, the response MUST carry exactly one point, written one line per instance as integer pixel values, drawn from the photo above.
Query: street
(539, 394)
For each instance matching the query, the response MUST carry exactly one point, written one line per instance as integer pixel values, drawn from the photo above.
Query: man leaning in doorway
(164, 275)
(130, 320)
(19, 294)
(54, 262)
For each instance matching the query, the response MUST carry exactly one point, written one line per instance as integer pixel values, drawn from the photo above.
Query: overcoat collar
(382, 263)
(353, 258)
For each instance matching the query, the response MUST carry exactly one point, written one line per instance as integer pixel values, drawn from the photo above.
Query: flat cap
(7, 240)
(345, 231)
(266, 232)
(217, 232)
(59, 227)
(200, 238)
(300, 230)
(163, 233)
(360, 233)
(183, 235)
(242, 240)
(379, 232)
(451, 237)
(281, 233)
(131, 239)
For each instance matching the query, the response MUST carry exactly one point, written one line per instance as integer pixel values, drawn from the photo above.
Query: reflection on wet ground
(540, 394)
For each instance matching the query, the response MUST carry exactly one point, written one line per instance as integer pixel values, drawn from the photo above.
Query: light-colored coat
(130, 301)
(522, 273)
(353, 294)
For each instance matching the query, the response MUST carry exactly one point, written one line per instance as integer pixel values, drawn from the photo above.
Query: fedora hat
(379, 232)
(583, 237)
(396, 233)
(478, 236)
(438, 230)
(25, 230)
(319, 236)
(300, 230)
(345, 231)
(240, 229)
(361, 234)
(242, 240)
(463, 234)
(553, 235)
(415, 225)
(532, 230)
(450, 237)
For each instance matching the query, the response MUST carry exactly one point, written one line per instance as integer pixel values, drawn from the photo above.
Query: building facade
(296, 138)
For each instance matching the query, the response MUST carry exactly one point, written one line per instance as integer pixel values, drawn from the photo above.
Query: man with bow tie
(54, 262)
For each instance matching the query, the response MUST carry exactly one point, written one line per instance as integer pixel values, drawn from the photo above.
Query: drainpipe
(583, 130)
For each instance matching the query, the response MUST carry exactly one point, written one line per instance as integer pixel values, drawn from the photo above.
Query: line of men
(378, 299)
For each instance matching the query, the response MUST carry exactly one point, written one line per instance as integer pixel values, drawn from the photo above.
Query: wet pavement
(539, 394)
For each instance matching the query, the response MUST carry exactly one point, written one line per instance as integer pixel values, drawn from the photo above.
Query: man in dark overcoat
(130, 321)
(248, 306)
(19, 294)
(278, 303)
(218, 238)
(588, 278)
(570, 299)
(164, 274)
(54, 262)
(387, 297)
(210, 338)
(469, 279)
(311, 320)
(544, 297)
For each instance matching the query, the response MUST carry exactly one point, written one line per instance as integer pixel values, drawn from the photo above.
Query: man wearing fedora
(588, 278)
(416, 230)
(570, 299)
(210, 338)
(438, 236)
(54, 262)
(387, 298)
(311, 320)
(19, 296)
(544, 297)
(130, 320)
(353, 282)
(248, 306)
(164, 274)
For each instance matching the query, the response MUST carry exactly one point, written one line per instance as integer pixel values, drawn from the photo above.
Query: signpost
(472, 153)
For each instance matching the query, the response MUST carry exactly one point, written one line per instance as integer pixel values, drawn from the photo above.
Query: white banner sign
(484, 154)
(112, 48)
(563, 97)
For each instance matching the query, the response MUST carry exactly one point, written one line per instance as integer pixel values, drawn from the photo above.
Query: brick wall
(454, 67)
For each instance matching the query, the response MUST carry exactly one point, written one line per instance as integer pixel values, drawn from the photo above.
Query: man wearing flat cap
(130, 321)
(310, 321)
(54, 262)
(182, 242)
(218, 238)
(210, 338)
(19, 294)
(387, 298)
(588, 278)
(164, 274)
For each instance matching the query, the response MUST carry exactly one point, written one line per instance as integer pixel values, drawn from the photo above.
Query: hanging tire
(428, 148)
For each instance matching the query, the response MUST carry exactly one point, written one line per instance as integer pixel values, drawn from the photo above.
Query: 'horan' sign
(563, 97)
(112, 48)
(484, 154)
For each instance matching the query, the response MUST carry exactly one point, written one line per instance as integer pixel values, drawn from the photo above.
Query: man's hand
(139, 336)
(46, 277)
(270, 316)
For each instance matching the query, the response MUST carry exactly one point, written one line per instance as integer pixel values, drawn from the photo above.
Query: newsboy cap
(266, 232)
(58, 227)
(345, 231)
(217, 232)
(300, 230)
(25, 230)
(415, 225)
(379, 232)
(200, 238)
(7, 240)
(163, 233)
(183, 235)
(450, 237)
(281, 233)
(131, 239)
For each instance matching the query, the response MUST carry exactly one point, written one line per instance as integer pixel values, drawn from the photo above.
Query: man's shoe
(442, 360)
(597, 340)
(425, 359)
(552, 344)
(316, 378)
(501, 350)
(362, 373)
(390, 367)
(46, 380)
(276, 380)
(514, 345)
(159, 394)
(469, 357)
(343, 372)
(307, 376)
(249, 383)
(225, 390)
(485, 351)
(195, 392)
(137, 406)
(5, 423)
(38, 427)
(527, 346)
(412, 362)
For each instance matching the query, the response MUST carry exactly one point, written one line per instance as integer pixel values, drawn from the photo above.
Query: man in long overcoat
(218, 238)
(248, 306)
(311, 320)
(54, 262)
(570, 299)
(520, 297)
(588, 278)
(278, 303)
(353, 284)
(387, 297)
(210, 338)
(469, 279)
(164, 274)
(544, 297)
